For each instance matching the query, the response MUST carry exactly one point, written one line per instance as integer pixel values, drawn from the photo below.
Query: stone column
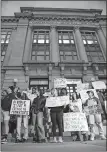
(28, 45)
(18, 44)
(101, 39)
(80, 45)
(54, 45)
(50, 76)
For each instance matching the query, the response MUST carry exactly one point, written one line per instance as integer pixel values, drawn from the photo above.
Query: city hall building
(40, 44)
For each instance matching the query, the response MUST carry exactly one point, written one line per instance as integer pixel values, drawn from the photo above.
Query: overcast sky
(9, 7)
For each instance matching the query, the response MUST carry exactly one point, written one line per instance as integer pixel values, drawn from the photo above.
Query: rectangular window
(40, 46)
(5, 38)
(92, 47)
(67, 47)
(41, 84)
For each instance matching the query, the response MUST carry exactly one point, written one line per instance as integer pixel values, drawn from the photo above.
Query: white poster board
(99, 85)
(57, 101)
(20, 107)
(60, 83)
(75, 122)
(84, 94)
(82, 86)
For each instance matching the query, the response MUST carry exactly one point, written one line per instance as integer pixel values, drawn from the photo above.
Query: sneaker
(103, 137)
(18, 141)
(91, 138)
(60, 140)
(4, 141)
(54, 140)
(24, 140)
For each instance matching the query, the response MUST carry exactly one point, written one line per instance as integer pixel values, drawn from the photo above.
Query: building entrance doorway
(41, 84)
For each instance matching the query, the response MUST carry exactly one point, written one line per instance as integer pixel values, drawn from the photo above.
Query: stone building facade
(40, 44)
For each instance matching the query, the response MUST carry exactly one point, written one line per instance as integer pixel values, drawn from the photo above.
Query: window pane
(41, 36)
(102, 58)
(47, 57)
(40, 58)
(60, 41)
(75, 58)
(40, 53)
(59, 36)
(69, 58)
(34, 41)
(47, 41)
(65, 37)
(7, 41)
(66, 41)
(3, 53)
(41, 41)
(3, 36)
(2, 58)
(33, 52)
(90, 42)
(3, 33)
(84, 41)
(62, 58)
(89, 37)
(68, 53)
(2, 40)
(72, 41)
(8, 36)
(47, 53)
(61, 53)
(33, 57)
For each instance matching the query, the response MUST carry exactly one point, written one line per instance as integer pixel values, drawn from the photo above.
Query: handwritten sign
(75, 122)
(95, 109)
(20, 107)
(57, 101)
(82, 86)
(85, 96)
(60, 82)
(99, 85)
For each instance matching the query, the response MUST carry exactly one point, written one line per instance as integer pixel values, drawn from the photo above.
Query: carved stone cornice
(9, 19)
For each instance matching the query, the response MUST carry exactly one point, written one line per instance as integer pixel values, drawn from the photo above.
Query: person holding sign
(76, 106)
(38, 106)
(19, 120)
(94, 118)
(6, 105)
(56, 118)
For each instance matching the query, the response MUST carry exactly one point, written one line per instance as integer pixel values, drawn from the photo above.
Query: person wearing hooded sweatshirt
(6, 105)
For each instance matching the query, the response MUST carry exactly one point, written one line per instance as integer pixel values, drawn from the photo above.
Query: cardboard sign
(99, 85)
(57, 101)
(75, 122)
(82, 86)
(91, 110)
(85, 96)
(60, 83)
(20, 107)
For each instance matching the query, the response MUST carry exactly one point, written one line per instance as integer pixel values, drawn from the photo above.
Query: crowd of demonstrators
(39, 112)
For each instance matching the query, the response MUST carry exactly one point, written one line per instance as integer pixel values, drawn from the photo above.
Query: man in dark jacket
(6, 105)
(38, 106)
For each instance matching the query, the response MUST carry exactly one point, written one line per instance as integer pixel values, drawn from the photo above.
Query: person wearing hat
(6, 105)
(94, 118)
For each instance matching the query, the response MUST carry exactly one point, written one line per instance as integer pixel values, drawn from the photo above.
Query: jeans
(19, 122)
(57, 119)
(39, 131)
(92, 119)
(6, 118)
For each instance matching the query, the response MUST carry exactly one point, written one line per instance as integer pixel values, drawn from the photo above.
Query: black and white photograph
(53, 76)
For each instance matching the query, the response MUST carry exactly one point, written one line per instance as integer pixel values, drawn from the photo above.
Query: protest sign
(85, 96)
(75, 122)
(99, 85)
(82, 86)
(20, 107)
(60, 83)
(57, 101)
(91, 110)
